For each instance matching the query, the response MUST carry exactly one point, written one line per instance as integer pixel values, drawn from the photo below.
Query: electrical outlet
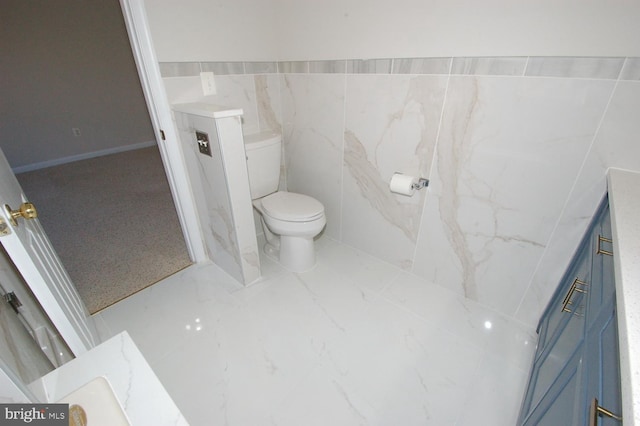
(76, 132)
(208, 83)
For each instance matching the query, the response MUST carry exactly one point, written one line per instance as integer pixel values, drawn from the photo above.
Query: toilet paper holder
(406, 185)
(421, 183)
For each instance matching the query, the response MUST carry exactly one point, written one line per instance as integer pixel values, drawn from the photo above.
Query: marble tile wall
(391, 125)
(313, 107)
(516, 149)
(615, 145)
(508, 154)
(217, 183)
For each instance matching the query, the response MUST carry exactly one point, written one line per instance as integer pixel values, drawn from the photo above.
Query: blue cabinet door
(577, 356)
(564, 327)
(602, 365)
(561, 404)
(602, 269)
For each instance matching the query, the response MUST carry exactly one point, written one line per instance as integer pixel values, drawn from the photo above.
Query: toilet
(290, 221)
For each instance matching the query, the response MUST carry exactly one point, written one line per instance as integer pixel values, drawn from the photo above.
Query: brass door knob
(27, 211)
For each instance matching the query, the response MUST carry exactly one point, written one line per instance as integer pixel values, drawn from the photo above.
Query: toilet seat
(292, 207)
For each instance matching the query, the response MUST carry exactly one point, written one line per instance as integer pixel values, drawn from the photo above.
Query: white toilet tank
(263, 162)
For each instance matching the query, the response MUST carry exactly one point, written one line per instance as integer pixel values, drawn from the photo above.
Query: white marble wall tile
(209, 185)
(328, 67)
(422, 66)
(313, 123)
(238, 91)
(489, 66)
(268, 102)
(507, 157)
(234, 91)
(391, 126)
(223, 68)
(234, 159)
(293, 67)
(260, 67)
(179, 69)
(369, 66)
(616, 145)
(574, 67)
(631, 69)
(270, 113)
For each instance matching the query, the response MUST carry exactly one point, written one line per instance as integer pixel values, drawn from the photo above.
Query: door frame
(167, 138)
(135, 18)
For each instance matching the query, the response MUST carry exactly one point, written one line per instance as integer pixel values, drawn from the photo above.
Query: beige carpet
(112, 221)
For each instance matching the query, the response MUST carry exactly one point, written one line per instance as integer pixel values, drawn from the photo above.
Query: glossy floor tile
(355, 341)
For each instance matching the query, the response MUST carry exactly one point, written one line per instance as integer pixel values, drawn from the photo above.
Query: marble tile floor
(355, 341)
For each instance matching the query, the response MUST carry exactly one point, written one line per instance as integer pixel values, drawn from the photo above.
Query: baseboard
(85, 156)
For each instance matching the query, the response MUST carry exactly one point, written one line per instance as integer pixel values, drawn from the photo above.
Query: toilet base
(297, 254)
(272, 252)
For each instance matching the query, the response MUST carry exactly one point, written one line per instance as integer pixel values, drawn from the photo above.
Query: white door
(32, 253)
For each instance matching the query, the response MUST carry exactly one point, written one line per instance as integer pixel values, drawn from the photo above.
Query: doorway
(112, 222)
(67, 101)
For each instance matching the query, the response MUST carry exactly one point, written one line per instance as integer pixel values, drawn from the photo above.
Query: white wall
(67, 64)
(257, 30)
(212, 30)
(336, 29)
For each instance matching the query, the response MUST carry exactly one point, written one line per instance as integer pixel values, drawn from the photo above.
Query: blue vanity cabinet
(601, 368)
(560, 404)
(555, 382)
(577, 358)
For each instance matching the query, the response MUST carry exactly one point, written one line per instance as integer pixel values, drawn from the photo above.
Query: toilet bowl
(296, 219)
(290, 221)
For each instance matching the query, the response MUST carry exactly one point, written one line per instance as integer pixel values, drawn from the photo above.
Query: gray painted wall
(67, 64)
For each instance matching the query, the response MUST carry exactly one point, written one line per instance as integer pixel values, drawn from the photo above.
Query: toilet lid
(292, 207)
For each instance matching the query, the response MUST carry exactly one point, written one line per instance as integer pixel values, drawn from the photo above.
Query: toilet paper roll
(402, 184)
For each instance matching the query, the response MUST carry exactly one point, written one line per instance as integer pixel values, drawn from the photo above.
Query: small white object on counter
(136, 387)
(624, 201)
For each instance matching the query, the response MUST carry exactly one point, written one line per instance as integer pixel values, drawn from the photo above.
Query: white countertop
(136, 387)
(207, 110)
(624, 201)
